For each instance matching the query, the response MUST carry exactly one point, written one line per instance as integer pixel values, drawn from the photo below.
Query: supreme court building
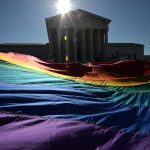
(78, 36)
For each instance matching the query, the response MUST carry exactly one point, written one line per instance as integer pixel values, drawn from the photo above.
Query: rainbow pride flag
(101, 106)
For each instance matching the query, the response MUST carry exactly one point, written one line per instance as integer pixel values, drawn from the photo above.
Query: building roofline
(84, 11)
(95, 15)
(22, 44)
(126, 44)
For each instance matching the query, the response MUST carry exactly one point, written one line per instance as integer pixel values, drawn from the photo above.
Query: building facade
(77, 36)
(121, 51)
(41, 51)
(147, 58)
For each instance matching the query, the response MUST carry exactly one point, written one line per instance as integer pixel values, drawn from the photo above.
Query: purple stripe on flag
(36, 133)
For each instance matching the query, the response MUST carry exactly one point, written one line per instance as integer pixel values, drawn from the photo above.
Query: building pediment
(78, 18)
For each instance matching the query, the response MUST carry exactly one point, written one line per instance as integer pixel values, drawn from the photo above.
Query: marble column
(75, 45)
(106, 42)
(102, 42)
(99, 40)
(59, 59)
(67, 46)
(50, 32)
(83, 45)
(106, 36)
(91, 45)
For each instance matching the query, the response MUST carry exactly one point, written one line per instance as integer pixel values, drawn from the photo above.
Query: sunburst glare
(63, 6)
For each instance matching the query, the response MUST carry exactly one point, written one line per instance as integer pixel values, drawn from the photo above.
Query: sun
(63, 6)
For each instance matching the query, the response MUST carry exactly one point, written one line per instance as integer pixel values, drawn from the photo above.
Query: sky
(23, 21)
